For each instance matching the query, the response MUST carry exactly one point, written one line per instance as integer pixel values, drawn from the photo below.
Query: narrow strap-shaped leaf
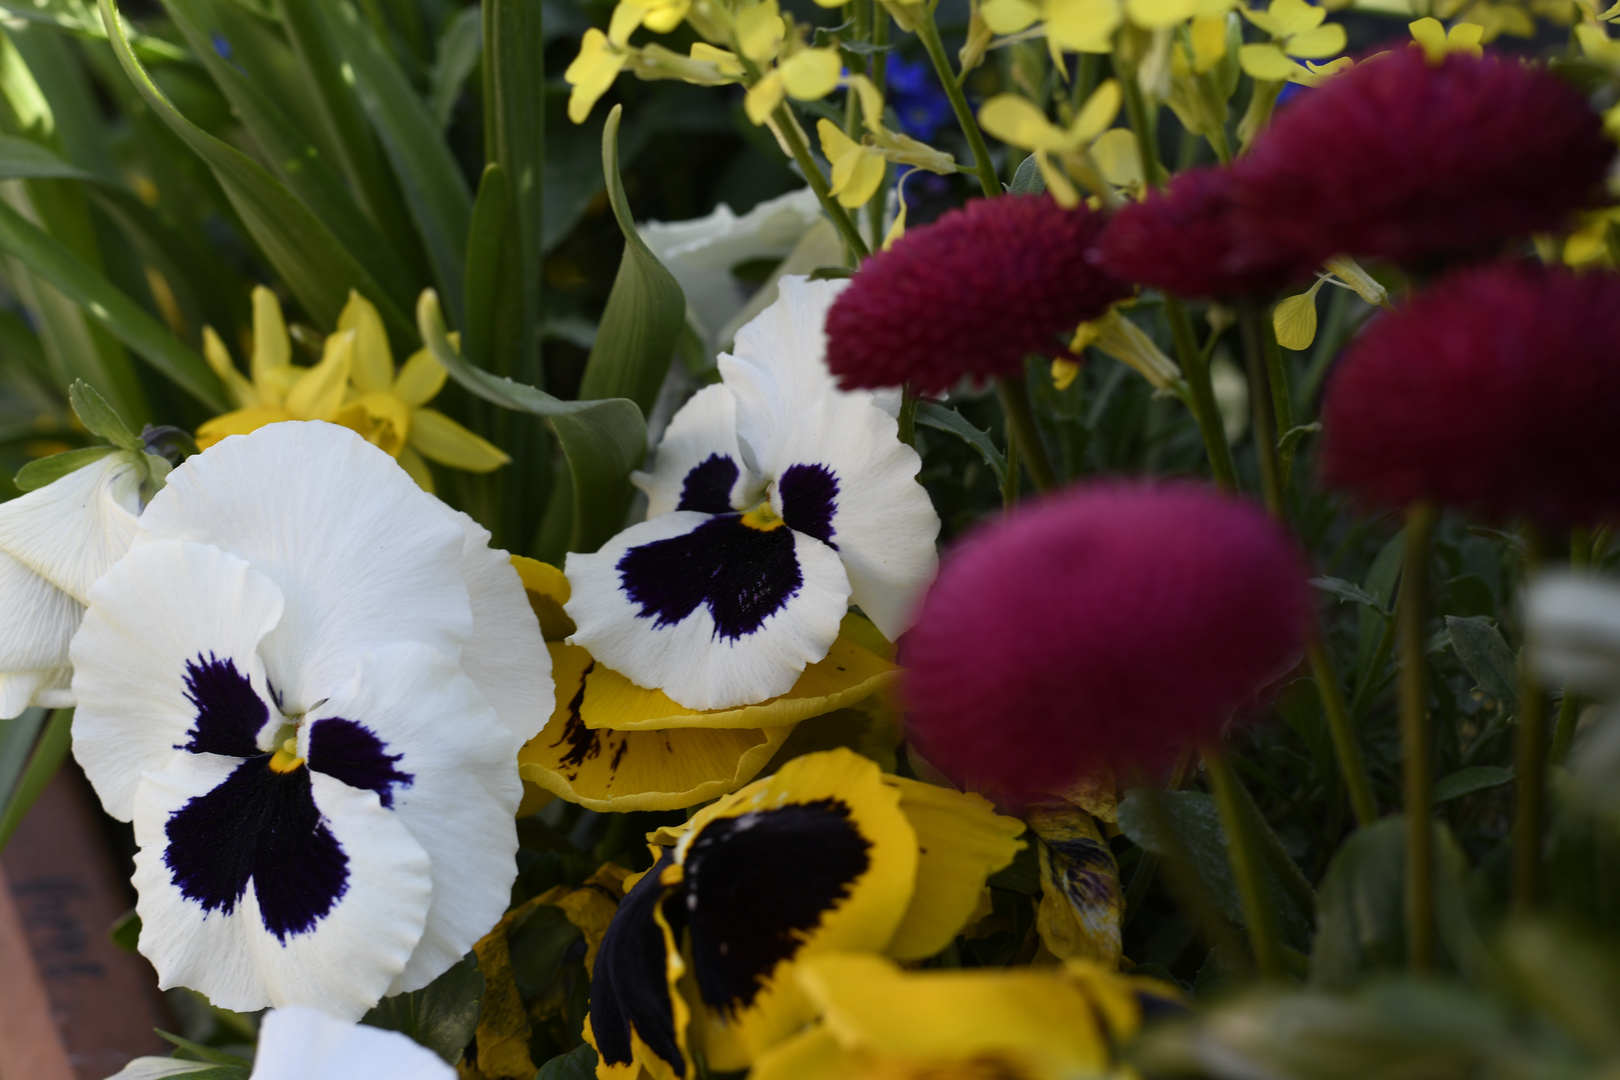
(103, 302)
(319, 270)
(602, 440)
(24, 159)
(457, 56)
(42, 765)
(645, 312)
(515, 139)
(434, 188)
(494, 277)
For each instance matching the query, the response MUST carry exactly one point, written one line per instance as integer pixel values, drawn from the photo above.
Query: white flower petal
(166, 613)
(1573, 628)
(346, 957)
(19, 690)
(506, 657)
(363, 556)
(299, 1043)
(39, 621)
(706, 609)
(698, 453)
(70, 531)
(461, 796)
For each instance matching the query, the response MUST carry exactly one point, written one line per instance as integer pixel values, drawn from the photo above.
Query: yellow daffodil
(279, 389)
(390, 411)
(1438, 42)
(1017, 122)
(858, 167)
(1296, 30)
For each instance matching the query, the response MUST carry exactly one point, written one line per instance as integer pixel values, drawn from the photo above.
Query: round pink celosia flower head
(1179, 239)
(1421, 163)
(1111, 624)
(970, 295)
(1497, 390)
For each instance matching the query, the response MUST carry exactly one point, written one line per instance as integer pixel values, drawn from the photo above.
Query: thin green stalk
(1010, 475)
(1136, 112)
(1343, 734)
(1569, 709)
(1085, 80)
(841, 220)
(1416, 770)
(880, 79)
(1265, 440)
(1184, 882)
(908, 414)
(1206, 412)
(48, 755)
(1024, 433)
(928, 33)
(1529, 769)
(1244, 852)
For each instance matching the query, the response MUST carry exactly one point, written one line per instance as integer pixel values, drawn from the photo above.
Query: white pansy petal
(20, 690)
(37, 623)
(786, 348)
(842, 475)
(166, 660)
(299, 1043)
(71, 530)
(259, 888)
(505, 657)
(709, 610)
(414, 730)
(363, 556)
(699, 465)
(1572, 624)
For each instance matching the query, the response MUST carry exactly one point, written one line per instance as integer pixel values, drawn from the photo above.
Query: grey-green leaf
(938, 417)
(457, 56)
(1480, 647)
(1028, 180)
(99, 417)
(36, 474)
(441, 1016)
(1469, 780)
(1349, 590)
(578, 1064)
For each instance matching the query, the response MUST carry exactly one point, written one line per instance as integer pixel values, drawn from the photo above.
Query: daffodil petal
(439, 438)
(372, 365)
(239, 422)
(417, 469)
(219, 359)
(420, 380)
(272, 348)
(318, 393)
(380, 418)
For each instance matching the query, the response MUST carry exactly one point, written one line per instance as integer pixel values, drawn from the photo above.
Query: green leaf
(125, 931)
(435, 191)
(1480, 647)
(515, 138)
(75, 17)
(494, 276)
(196, 1051)
(304, 254)
(1467, 781)
(441, 1016)
(101, 418)
(17, 737)
(538, 945)
(22, 159)
(47, 757)
(602, 440)
(46, 470)
(1291, 437)
(645, 312)
(457, 56)
(1362, 914)
(157, 1068)
(1349, 590)
(109, 307)
(578, 1064)
(932, 414)
(1028, 180)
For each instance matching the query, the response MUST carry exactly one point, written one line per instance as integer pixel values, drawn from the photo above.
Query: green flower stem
(1136, 112)
(1416, 740)
(908, 414)
(1277, 370)
(928, 33)
(1195, 367)
(1244, 851)
(880, 79)
(1569, 710)
(818, 183)
(1185, 884)
(1251, 324)
(1024, 433)
(1009, 477)
(1342, 732)
(1529, 768)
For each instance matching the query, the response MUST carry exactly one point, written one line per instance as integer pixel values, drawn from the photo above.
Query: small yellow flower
(1438, 43)
(389, 412)
(859, 167)
(1126, 342)
(592, 72)
(1296, 30)
(806, 75)
(659, 16)
(1017, 122)
(279, 389)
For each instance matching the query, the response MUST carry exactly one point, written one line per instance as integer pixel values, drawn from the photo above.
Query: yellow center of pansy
(763, 517)
(286, 759)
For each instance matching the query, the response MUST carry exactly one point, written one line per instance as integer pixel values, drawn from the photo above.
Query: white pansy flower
(55, 541)
(300, 1043)
(1572, 624)
(306, 685)
(776, 501)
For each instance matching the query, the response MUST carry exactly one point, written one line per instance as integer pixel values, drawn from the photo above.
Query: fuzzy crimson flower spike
(1111, 624)
(970, 295)
(1420, 163)
(1180, 239)
(1495, 390)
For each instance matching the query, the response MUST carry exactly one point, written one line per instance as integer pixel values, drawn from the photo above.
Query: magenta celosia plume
(970, 295)
(1497, 389)
(1420, 163)
(1179, 239)
(1110, 624)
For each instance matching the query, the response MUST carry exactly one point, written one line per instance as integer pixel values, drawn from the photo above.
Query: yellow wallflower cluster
(354, 385)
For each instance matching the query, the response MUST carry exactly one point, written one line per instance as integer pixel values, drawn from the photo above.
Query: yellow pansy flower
(279, 389)
(1296, 30)
(858, 167)
(1017, 122)
(390, 411)
(1438, 43)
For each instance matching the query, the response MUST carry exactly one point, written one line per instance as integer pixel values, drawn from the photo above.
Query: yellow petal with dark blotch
(239, 422)
(1036, 1022)
(618, 771)
(638, 1019)
(1097, 793)
(830, 862)
(845, 675)
(548, 591)
(961, 841)
(503, 1023)
(1082, 906)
